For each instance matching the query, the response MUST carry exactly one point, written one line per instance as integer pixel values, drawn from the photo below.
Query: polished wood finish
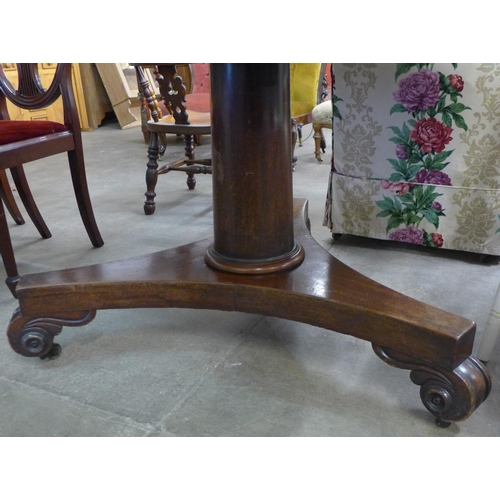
(319, 290)
(183, 69)
(252, 246)
(30, 94)
(8, 199)
(179, 122)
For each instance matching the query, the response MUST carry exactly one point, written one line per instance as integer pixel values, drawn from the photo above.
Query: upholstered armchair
(416, 154)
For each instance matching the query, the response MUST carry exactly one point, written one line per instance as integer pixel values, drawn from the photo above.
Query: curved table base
(433, 344)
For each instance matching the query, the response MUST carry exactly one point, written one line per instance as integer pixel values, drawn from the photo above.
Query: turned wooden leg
(189, 140)
(151, 174)
(189, 146)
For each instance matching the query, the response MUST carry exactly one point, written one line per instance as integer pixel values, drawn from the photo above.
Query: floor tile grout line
(146, 427)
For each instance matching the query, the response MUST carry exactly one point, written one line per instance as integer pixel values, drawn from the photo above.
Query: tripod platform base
(433, 344)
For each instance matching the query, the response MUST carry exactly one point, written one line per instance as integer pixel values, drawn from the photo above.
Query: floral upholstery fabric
(416, 154)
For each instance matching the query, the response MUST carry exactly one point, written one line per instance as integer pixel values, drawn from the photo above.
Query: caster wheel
(337, 236)
(54, 352)
(441, 423)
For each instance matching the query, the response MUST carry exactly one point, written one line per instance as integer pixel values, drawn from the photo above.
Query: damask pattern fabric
(416, 154)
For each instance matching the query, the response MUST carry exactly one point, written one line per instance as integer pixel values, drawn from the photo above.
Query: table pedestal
(262, 260)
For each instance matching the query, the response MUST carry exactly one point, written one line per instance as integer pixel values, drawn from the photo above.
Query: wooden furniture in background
(177, 121)
(262, 260)
(167, 113)
(307, 88)
(121, 86)
(121, 93)
(22, 141)
(96, 98)
(153, 72)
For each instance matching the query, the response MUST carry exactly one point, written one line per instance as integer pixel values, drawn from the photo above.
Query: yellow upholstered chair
(308, 87)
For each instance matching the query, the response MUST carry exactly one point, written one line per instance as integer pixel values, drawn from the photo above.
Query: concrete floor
(209, 373)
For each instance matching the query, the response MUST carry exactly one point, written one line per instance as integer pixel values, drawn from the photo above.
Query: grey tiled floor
(189, 372)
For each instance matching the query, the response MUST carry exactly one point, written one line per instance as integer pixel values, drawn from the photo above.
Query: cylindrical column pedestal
(252, 169)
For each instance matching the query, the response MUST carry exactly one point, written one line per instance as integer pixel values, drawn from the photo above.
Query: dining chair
(189, 115)
(185, 115)
(23, 141)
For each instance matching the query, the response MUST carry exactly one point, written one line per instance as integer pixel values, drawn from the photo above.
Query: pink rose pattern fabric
(431, 100)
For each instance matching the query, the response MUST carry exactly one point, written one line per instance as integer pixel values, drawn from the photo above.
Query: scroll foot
(451, 396)
(34, 337)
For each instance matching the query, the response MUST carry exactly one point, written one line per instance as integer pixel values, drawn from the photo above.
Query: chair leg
(162, 145)
(189, 150)
(8, 198)
(7, 253)
(26, 196)
(294, 142)
(80, 186)
(151, 174)
(319, 140)
(299, 133)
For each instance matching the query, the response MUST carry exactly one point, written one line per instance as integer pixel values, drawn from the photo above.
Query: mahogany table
(262, 259)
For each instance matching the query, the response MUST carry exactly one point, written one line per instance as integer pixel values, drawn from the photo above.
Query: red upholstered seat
(18, 130)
